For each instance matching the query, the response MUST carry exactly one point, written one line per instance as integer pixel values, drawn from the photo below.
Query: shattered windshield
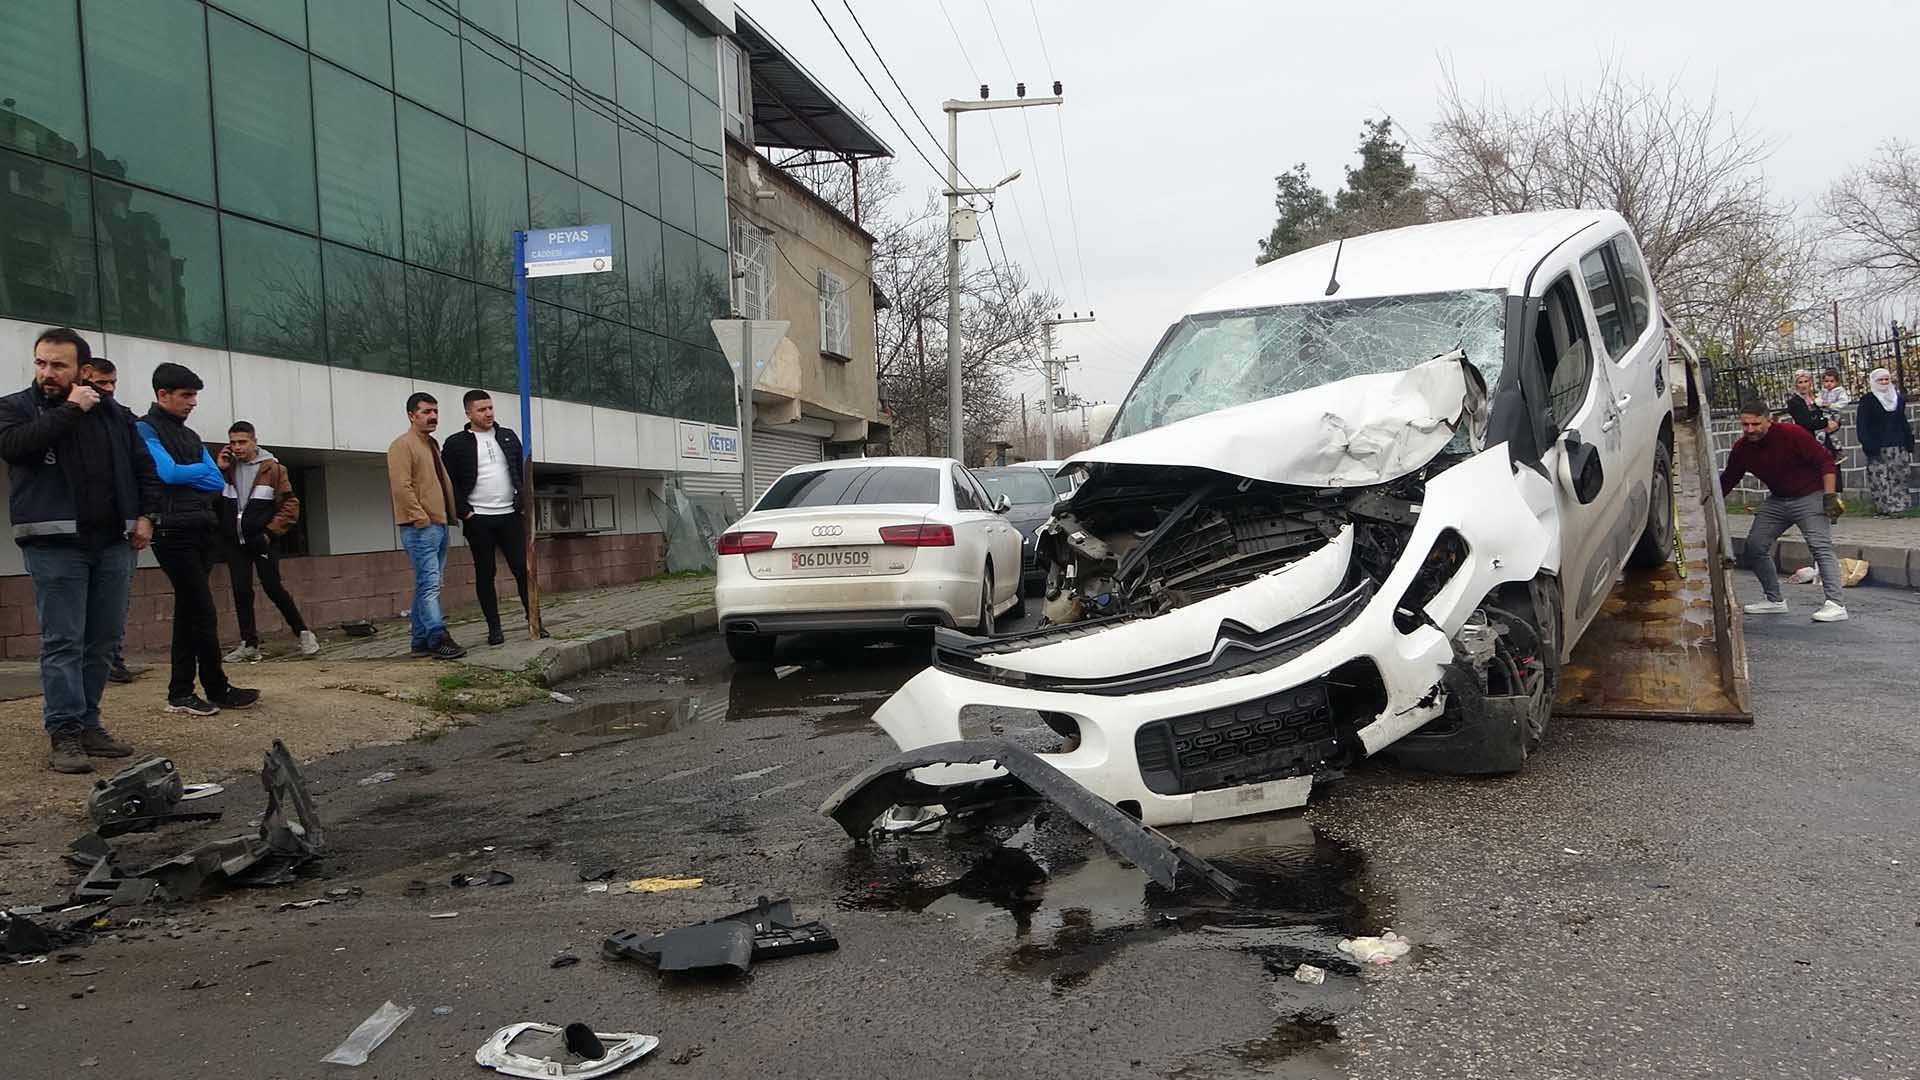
(1227, 358)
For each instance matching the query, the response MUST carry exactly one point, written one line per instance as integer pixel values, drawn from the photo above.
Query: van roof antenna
(1333, 276)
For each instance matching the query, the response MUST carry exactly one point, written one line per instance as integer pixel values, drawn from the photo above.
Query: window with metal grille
(753, 292)
(836, 318)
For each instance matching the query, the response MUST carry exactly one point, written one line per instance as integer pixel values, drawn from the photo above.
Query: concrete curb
(1896, 567)
(573, 658)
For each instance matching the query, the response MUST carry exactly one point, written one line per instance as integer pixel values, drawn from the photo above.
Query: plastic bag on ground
(369, 1035)
(1384, 949)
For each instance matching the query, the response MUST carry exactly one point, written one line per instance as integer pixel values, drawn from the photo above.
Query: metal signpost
(747, 344)
(573, 249)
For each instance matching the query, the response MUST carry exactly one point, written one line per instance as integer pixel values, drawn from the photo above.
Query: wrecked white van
(1364, 496)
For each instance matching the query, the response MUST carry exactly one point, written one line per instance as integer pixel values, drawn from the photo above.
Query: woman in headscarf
(1887, 440)
(1805, 409)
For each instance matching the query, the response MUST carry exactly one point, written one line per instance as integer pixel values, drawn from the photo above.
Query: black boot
(495, 635)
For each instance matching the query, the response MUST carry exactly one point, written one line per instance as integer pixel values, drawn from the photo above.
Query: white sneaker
(309, 645)
(244, 654)
(1767, 607)
(1830, 612)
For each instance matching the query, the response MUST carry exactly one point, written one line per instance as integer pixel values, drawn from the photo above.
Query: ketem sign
(575, 249)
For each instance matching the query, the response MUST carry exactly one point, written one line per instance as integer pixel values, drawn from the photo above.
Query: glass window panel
(602, 373)
(499, 356)
(703, 64)
(543, 32)
(499, 178)
(714, 290)
(1635, 273)
(159, 266)
(640, 171)
(263, 124)
(684, 306)
(650, 365)
(711, 398)
(147, 94)
(358, 165)
(434, 200)
(646, 270)
(46, 243)
(597, 144)
(592, 53)
(1608, 311)
(39, 81)
(288, 18)
(669, 39)
(601, 8)
(605, 295)
(676, 189)
(366, 311)
(553, 200)
(492, 79)
(709, 138)
(427, 39)
(633, 82)
(634, 19)
(497, 17)
(353, 33)
(711, 202)
(441, 329)
(274, 305)
(553, 349)
(671, 110)
(549, 119)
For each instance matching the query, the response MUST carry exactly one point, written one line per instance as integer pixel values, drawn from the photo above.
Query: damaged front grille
(1291, 733)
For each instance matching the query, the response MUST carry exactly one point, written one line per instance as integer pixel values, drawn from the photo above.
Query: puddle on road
(636, 719)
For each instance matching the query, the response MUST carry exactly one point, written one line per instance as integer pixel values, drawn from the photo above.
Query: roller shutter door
(774, 452)
(725, 484)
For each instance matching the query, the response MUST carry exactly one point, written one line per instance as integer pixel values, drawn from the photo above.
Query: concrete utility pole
(961, 227)
(1048, 363)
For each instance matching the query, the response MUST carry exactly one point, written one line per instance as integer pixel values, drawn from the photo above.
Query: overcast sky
(1179, 115)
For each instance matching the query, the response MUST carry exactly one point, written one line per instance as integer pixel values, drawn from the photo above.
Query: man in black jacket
(183, 542)
(101, 374)
(82, 501)
(484, 463)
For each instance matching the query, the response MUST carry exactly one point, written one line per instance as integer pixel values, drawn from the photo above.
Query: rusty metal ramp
(1667, 644)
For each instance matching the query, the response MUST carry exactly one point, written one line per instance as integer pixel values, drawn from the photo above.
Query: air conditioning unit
(572, 515)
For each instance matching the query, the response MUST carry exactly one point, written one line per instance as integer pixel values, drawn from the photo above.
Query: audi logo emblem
(826, 530)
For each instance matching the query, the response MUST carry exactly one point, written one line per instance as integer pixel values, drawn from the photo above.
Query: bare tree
(1872, 220)
(1722, 251)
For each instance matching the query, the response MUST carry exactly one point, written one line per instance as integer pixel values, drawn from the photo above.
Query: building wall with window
(310, 203)
(804, 261)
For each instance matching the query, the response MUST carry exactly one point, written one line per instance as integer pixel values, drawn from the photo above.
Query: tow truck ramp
(1668, 643)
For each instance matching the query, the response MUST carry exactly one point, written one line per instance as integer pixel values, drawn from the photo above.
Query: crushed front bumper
(1179, 750)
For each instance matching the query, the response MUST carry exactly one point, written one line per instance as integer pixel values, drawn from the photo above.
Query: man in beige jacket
(422, 494)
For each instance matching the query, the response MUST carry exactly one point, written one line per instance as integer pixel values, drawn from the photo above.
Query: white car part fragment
(620, 1049)
(1260, 605)
(1365, 430)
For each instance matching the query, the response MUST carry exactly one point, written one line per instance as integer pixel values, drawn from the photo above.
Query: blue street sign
(573, 249)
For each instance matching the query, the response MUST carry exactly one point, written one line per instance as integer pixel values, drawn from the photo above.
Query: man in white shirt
(484, 462)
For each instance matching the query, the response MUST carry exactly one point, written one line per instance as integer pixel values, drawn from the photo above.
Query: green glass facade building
(336, 181)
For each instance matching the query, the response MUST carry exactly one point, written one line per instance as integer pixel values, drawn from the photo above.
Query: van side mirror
(1583, 474)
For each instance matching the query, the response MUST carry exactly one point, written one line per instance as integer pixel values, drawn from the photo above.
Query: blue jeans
(80, 596)
(427, 548)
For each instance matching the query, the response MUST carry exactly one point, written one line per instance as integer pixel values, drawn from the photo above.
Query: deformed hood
(1365, 430)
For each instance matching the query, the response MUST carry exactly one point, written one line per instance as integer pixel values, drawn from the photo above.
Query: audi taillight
(917, 535)
(742, 543)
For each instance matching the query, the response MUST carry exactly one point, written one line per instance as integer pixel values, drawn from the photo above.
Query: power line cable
(908, 101)
(1039, 179)
(1066, 169)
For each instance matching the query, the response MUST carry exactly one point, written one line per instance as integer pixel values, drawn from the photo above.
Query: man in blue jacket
(183, 542)
(83, 494)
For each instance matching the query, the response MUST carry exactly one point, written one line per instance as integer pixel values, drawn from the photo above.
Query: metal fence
(1770, 378)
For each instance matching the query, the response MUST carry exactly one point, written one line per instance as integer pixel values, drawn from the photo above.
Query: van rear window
(853, 487)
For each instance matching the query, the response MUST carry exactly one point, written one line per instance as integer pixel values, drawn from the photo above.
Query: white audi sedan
(899, 543)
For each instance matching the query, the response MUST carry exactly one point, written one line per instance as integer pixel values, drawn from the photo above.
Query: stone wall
(331, 589)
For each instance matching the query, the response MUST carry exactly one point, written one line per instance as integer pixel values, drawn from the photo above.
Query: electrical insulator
(983, 91)
(1057, 88)
(1020, 89)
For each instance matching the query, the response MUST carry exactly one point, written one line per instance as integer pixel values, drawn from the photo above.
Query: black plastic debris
(562, 961)
(490, 877)
(1026, 781)
(139, 798)
(358, 628)
(731, 943)
(21, 936)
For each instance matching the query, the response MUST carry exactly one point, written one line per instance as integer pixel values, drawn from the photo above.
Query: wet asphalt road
(1740, 902)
